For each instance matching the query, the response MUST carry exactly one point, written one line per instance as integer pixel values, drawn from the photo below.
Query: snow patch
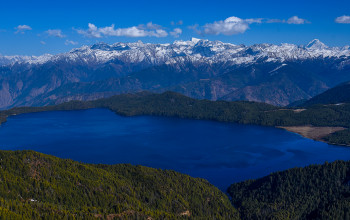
(277, 68)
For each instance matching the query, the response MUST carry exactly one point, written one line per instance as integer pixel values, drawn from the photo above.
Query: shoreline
(313, 132)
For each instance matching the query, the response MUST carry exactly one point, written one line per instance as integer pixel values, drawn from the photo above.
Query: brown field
(315, 133)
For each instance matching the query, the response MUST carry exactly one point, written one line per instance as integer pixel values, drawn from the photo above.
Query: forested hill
(313, 192)
(38, 186)
(336, 95)
(176, 105)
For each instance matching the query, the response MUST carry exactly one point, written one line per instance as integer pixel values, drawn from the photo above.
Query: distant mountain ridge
(275, 74)
(193, 50)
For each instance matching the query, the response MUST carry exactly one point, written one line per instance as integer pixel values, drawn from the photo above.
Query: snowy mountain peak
(100, 46)
(195, 40)
(195, 51)
(316, 44)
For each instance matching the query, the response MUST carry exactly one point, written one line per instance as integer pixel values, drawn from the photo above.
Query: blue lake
(222, 153)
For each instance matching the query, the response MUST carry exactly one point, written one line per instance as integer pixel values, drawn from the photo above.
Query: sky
(40, 26)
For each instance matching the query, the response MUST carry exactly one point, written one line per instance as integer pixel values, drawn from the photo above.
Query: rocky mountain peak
(316, 44)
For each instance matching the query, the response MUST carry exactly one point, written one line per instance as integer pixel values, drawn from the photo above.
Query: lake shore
(312, 132)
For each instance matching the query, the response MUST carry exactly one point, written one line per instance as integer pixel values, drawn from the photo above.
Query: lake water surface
(222, 153)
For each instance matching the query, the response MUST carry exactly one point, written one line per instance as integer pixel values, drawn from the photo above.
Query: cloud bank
(229, 26)
(148, 30)
(234, 25)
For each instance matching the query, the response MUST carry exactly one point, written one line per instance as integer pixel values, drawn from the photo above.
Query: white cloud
(158, 33)
(291, 20)
(22, 28)
(343, 19)
(176, 32)
(55, 33)
(275, 21)
(230, 26)
(296, 20)
(148, 30)
(180, 22)
(150, 26)
(195, 28)
(234, 25)
(43, 42)
(254, 20)
(91, 32)
(70, 42)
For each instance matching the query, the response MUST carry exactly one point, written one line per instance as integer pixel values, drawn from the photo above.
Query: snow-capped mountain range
(275, 74)
(195, 50)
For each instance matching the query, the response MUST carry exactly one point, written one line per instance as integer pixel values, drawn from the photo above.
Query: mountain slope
(338, 94)
(36, 186)
(263, 82)
(276, 74)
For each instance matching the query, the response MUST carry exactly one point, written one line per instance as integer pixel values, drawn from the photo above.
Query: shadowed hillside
(338, 94)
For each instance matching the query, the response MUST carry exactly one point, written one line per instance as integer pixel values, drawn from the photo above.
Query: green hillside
(38, 186)
(313, 192)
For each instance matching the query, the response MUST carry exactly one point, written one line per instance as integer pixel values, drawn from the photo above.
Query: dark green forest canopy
(244, 112)
(34, 186)
(313, 192)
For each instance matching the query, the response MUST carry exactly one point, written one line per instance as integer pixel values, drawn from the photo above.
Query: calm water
(223, 153)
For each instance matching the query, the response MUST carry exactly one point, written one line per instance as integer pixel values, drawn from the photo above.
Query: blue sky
(36, 27)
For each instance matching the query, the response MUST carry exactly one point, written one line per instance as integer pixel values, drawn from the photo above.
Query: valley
(217, 100)
(189, 110)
